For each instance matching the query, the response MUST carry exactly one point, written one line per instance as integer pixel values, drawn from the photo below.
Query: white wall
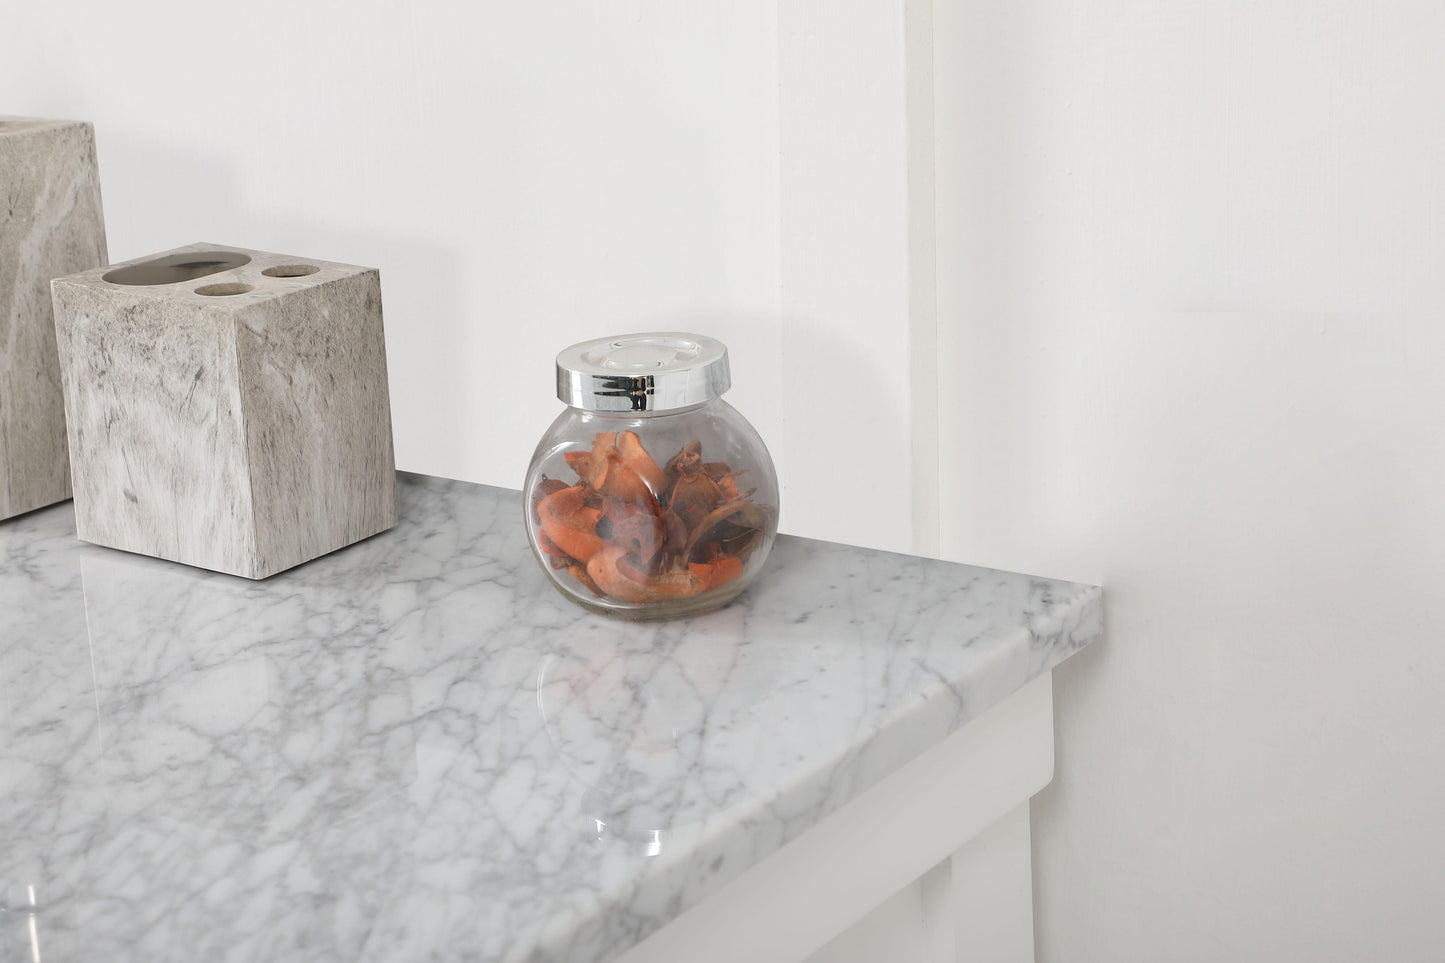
(1190, 260)
(526, 176)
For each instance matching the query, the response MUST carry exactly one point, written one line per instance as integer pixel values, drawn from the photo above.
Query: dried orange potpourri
(636, 532)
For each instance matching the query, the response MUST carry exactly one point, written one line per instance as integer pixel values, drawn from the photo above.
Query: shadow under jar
(650, 497)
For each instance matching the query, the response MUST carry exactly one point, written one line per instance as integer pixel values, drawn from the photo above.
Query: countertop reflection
(415, 746)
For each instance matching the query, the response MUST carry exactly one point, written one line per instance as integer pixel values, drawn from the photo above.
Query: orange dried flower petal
(635, 457)
(570, 524)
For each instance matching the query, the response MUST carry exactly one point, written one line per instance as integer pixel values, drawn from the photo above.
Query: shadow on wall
(845, 416)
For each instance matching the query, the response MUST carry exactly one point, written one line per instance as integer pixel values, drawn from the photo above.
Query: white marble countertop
(416, 749)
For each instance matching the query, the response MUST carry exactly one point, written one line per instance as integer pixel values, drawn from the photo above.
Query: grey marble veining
(238, 421)
(415, 749)
(50, 224)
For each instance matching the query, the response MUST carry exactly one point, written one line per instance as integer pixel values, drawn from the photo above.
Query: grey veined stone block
(50, 224)
(227, 408)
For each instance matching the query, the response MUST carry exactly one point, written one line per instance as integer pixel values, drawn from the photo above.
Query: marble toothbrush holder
(227, 408)
(50, 224)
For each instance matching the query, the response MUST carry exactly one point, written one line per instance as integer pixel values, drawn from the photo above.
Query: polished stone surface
(237, 421)
(50, 224)
(416, 749)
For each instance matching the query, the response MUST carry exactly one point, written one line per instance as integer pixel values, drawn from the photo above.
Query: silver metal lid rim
(645, 372)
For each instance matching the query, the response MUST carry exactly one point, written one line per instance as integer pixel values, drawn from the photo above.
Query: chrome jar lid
(656, 371)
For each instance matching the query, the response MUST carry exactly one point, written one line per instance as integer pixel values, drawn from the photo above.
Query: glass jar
(650, 497)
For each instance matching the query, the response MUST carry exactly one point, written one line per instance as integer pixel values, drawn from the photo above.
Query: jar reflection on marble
(650, 497)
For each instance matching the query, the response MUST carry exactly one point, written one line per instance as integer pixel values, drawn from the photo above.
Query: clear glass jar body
(652, 514)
